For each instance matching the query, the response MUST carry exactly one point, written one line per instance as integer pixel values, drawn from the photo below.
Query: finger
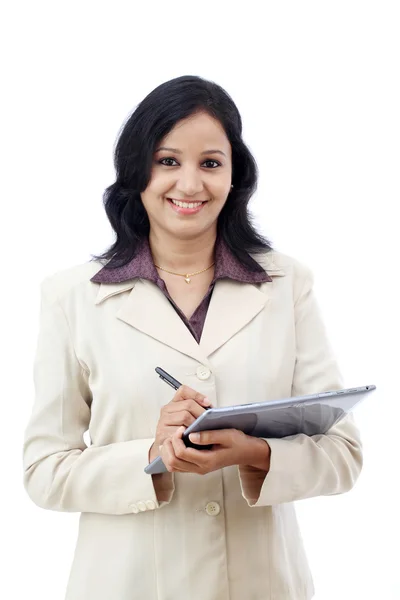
(178, 418)
(173, 462)
(178, 444)
(200, 458)
(167, 431)
(190, 405)
(223, 437)
(186, 406)
(168, 456)
(187, 393)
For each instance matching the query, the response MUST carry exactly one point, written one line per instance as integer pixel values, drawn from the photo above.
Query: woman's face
(190, 178)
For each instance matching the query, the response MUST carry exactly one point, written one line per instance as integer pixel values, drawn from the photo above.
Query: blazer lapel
(148, 310)
(233, 305)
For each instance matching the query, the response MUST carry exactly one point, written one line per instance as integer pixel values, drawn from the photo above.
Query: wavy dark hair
(154, 118)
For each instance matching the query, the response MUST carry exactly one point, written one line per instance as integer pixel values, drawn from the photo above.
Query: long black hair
(154, 118)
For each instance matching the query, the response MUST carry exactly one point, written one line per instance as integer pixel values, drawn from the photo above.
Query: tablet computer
(311, 415)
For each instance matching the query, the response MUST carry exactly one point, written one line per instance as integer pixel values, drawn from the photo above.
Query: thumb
(217, 436)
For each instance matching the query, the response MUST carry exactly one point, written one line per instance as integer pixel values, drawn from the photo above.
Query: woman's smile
(186, 207)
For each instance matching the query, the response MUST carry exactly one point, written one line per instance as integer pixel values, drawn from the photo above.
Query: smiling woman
(190, 285)
(184, 181)
(181, 146)
(189, 182)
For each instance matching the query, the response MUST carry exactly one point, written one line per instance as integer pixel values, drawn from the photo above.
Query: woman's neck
(183, 256)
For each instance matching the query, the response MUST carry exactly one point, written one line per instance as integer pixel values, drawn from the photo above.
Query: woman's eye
(211, 164)
(214, 164)
(163, 161)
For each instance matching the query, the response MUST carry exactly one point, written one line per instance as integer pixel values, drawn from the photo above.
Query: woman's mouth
(185, 207)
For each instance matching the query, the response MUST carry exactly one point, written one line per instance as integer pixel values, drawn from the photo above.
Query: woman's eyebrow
(176, 151)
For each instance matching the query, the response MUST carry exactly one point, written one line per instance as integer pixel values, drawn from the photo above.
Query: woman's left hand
(230, 447)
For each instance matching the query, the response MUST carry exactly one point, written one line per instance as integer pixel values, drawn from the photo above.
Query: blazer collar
(233, 305)
(142, 266)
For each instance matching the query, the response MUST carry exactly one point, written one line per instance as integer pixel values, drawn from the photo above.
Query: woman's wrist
(260, 455)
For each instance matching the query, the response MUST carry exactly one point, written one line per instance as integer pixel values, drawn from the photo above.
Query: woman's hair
(153, 119)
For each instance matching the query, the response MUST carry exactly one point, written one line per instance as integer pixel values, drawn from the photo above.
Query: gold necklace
(187, 276)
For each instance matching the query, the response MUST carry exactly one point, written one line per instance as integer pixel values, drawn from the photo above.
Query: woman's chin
(185, 231)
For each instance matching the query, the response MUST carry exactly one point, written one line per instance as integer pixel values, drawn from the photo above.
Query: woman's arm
(60, 471)
(302, 466)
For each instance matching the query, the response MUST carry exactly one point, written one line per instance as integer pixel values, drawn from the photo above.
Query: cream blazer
(228, 535)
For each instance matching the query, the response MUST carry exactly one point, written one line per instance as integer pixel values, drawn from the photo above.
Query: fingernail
(194, 437)
(206, 401)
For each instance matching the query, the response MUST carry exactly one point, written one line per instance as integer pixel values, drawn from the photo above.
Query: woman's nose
(189, 182)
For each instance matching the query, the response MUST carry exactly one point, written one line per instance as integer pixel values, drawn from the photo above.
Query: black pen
(171, 380)
(168, 378)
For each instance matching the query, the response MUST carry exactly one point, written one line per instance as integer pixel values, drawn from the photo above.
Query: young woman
(188, 285)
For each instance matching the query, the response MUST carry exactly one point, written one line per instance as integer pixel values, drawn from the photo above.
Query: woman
(190, 286)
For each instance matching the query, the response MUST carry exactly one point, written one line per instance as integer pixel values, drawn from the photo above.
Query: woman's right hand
(185, 407)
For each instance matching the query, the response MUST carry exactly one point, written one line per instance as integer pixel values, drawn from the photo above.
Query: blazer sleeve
(307, 466)
(60, 471)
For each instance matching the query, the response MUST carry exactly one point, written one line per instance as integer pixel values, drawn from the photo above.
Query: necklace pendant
(187, 279)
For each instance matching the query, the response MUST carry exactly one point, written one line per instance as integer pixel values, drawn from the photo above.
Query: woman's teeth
(185, 204)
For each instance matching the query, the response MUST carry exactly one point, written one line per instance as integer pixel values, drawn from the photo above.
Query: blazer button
(134, 508)
(203, 372)
(150, 504)
(141, 506)
(213, 509)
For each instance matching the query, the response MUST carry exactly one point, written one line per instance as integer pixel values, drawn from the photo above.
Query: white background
(317, 84)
